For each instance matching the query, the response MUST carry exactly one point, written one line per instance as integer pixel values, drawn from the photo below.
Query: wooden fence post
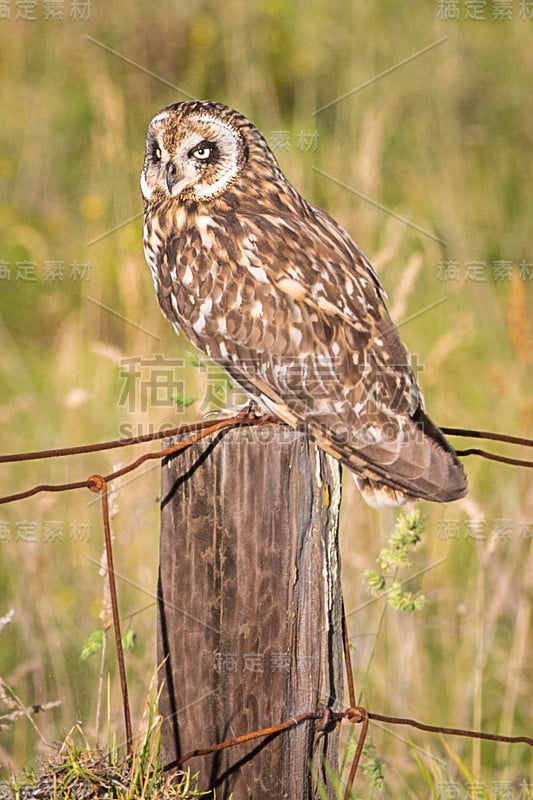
(249, 618)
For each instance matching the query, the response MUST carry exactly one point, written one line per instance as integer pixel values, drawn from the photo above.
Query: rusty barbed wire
(355, 715)
(241, 419)
(212, 427)
(352, 700)
(489, 435)
(347, 656)
(362, 717)
(422, 726)
(108, 445)
(99, 485)
(520, 441)
(514, 462)
(202, 430)
(272, 730)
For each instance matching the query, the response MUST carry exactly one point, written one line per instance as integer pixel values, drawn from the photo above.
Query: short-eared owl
(272, 289)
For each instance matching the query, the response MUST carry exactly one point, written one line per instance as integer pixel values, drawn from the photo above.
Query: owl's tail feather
(378, 495)
(419, 464)
(400, 458)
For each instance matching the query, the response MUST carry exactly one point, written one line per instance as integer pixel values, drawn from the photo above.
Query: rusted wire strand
(520, 441)
(195, 426)
(99, 485)
(356, 715)
(207, 428)
(109, 445)
(360, 714)
(44, 487)
(494, 437)
(179, 446)
(413, 723)
(248, 737)
(515, 462)
(352, 698)
(357, 756)
(201, 432)
(347, 657)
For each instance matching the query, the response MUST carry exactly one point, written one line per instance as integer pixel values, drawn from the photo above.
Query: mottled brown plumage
(277, 293)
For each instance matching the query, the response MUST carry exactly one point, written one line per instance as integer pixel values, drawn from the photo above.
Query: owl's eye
(156, 153)
(203, 151)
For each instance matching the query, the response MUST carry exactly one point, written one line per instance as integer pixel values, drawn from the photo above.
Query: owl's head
(196, 150)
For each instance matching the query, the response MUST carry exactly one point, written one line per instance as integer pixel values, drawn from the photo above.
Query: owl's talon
(216, 413)
(250, 410)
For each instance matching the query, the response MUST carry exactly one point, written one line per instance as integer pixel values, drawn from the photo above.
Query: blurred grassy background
(444, 141)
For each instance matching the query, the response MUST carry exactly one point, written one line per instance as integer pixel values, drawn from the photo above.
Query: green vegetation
(444, 141)
(77, 771)
(396, 556)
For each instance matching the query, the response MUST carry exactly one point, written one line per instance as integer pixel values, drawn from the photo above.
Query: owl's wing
(296, 315)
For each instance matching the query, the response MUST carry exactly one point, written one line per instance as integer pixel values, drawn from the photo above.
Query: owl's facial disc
(198, 158)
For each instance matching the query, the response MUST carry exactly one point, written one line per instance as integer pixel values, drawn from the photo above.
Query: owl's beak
(171, 177)
(177, 181)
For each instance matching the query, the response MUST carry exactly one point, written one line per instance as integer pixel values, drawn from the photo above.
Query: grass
(444, 141)
(79, 771)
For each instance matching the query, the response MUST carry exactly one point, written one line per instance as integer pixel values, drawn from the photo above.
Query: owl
(274, 291)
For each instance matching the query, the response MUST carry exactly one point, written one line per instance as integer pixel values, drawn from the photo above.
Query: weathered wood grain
(249, 623)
